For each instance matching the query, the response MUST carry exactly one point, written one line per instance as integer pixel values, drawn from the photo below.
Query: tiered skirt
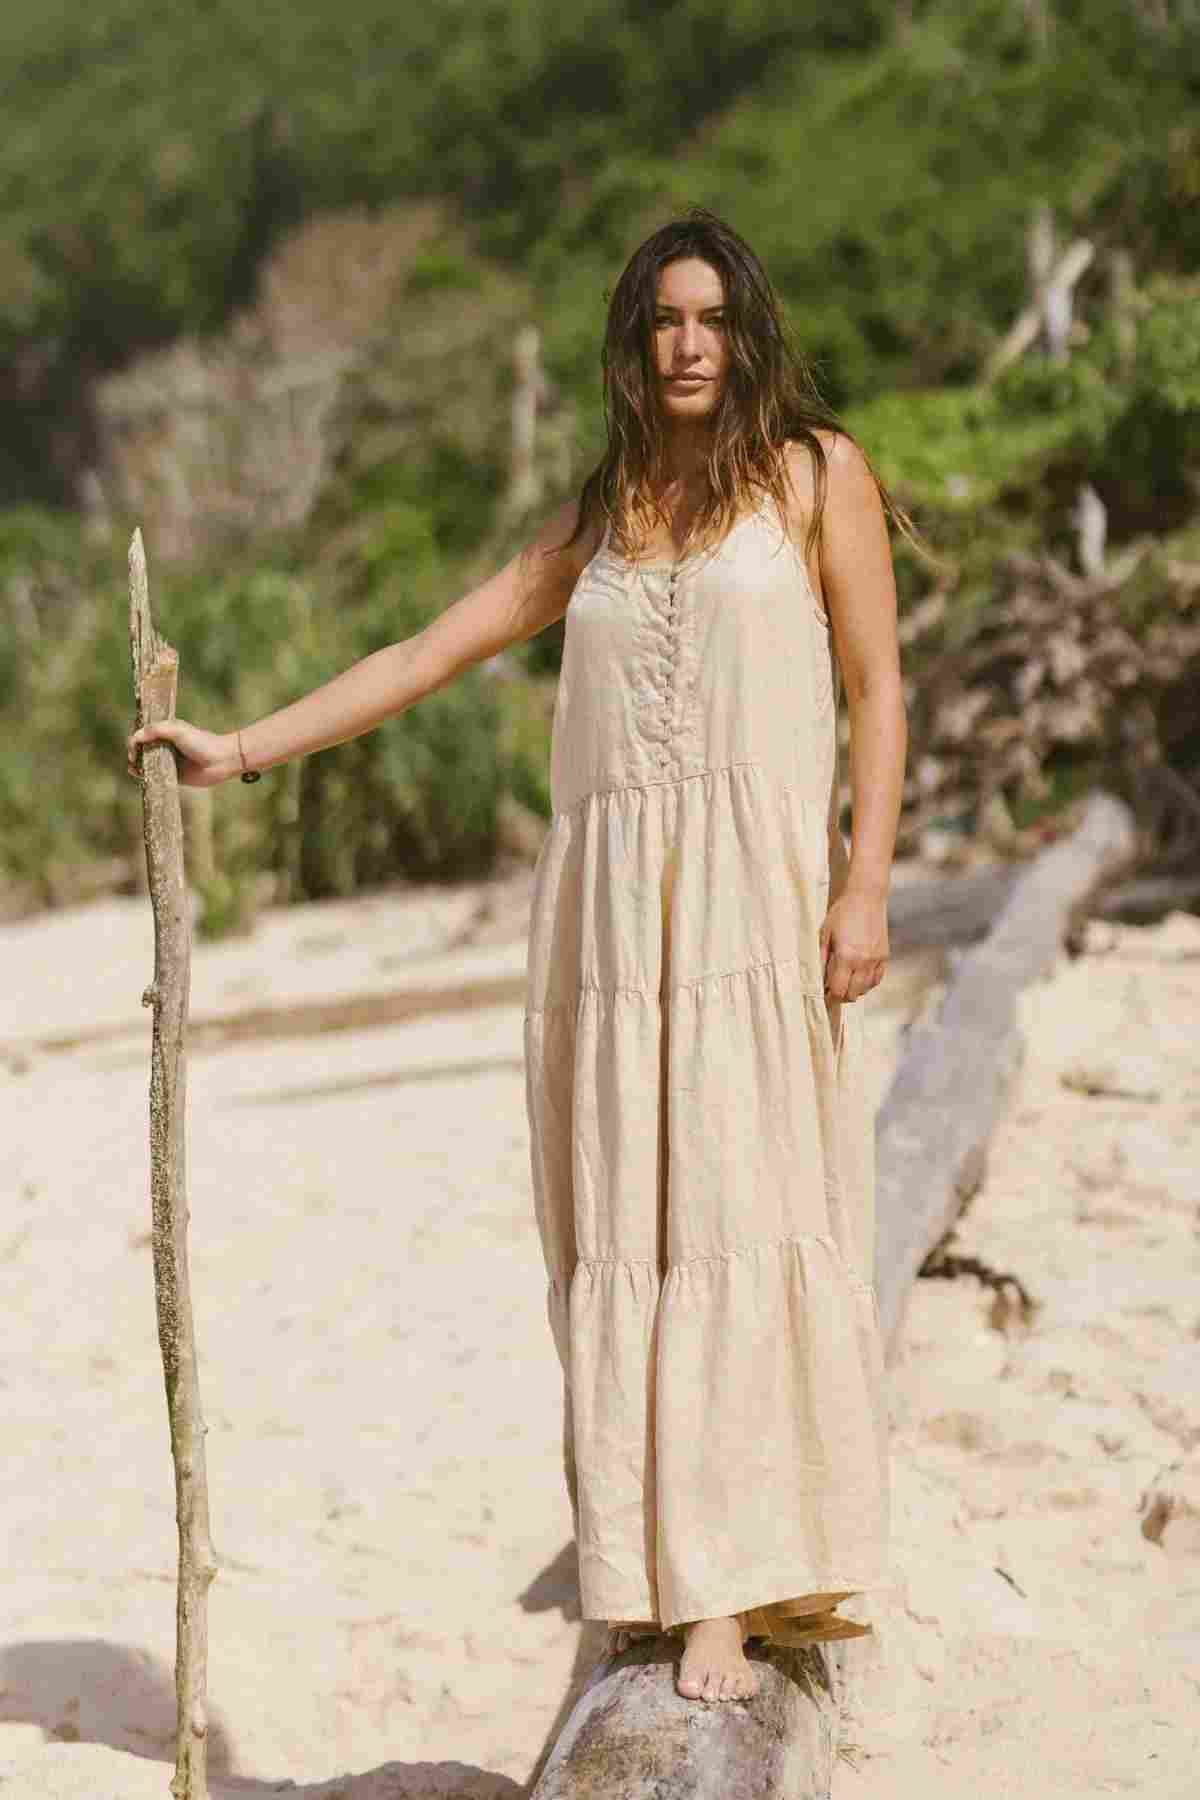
(702, 1163)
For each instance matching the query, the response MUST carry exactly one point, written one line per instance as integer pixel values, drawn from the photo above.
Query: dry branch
(155, 670)
(1051, 298)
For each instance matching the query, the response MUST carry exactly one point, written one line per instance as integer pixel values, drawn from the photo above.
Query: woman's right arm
(527, 594)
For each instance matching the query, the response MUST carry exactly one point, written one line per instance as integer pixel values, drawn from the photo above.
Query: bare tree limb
(1056, 293)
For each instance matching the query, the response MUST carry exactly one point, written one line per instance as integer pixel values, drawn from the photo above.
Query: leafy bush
(417, 797)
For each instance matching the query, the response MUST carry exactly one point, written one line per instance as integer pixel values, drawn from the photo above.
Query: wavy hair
(768, 398)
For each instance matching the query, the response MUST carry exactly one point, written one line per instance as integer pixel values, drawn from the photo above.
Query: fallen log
(629, 1734)
(955, 909)
(1144, 901)
(632, 1736)
(958, 1066)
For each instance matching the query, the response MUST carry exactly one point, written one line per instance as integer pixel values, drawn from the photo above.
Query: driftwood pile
(1075, 679)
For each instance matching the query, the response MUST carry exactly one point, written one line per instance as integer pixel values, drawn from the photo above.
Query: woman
(701, 1144)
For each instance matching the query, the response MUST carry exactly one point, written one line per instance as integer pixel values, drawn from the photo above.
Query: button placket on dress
(672, 667)
(665, 609)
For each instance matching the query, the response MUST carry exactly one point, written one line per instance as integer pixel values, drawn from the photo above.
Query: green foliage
(418, 796)
(153, 156)
(1168, 359)
(1022, 441)
(526, 714)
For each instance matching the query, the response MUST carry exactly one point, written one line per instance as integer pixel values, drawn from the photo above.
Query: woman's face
(690, 338)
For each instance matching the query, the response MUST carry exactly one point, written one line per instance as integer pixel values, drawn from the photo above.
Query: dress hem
(726, 1607)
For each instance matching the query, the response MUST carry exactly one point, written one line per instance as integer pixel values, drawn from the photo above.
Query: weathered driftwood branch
(632, 1736)
(958, 1066)
(1048, 310)
(957, 909)
(524, 482)
(155, 668)
(1143, 901)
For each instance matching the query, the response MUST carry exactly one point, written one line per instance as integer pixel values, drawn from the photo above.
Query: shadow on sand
(90, 1691)
(556, 1587)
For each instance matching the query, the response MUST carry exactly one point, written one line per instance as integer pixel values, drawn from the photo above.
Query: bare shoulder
(800, 486)
(850, 555)
(846, 470)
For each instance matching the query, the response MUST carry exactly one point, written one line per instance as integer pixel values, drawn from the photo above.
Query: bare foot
(713, 1665)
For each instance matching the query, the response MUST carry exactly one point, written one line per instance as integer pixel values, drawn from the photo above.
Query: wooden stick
(155, 671)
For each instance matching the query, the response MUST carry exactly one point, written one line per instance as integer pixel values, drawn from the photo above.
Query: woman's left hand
(854, 943)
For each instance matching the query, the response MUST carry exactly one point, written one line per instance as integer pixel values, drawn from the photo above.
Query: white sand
(396, 1611)
(1036, 1642)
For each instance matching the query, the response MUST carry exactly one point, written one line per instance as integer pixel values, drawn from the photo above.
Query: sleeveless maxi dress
(701, 1141)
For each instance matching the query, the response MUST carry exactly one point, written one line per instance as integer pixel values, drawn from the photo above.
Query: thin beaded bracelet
(247, 773)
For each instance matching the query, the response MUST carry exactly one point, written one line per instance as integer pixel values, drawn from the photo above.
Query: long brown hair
(769, 397)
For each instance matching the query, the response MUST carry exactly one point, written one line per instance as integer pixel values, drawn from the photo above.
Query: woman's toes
(692, 1681)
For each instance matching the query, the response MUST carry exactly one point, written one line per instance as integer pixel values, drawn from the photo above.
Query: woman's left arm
(860, 596)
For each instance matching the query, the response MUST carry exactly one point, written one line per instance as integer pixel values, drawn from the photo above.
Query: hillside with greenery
(359, 207)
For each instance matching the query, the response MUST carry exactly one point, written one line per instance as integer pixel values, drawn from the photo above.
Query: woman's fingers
(849, 980)
(146, 734)
(204, 758)
(152, 734)
(168, 731)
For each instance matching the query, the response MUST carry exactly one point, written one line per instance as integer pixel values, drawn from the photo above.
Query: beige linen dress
(701, 1142)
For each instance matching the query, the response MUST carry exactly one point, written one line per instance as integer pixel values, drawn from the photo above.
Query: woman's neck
(685, 460)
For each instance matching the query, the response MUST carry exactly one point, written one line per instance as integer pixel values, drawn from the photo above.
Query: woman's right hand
(204, 759)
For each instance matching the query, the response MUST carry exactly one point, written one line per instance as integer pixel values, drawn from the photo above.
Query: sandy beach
(396, 1613)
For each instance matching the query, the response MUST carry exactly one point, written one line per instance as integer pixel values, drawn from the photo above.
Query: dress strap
(839, 857)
